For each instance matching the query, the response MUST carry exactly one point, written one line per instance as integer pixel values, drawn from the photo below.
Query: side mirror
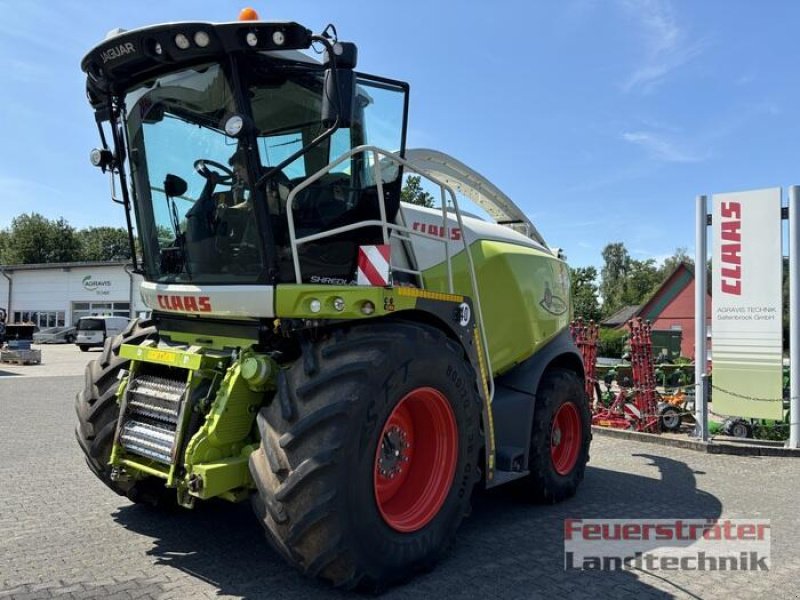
(340, 102)
(174, 185)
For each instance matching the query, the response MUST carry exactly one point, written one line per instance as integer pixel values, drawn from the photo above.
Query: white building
(59, 294)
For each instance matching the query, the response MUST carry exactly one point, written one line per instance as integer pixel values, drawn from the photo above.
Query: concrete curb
(707, 447)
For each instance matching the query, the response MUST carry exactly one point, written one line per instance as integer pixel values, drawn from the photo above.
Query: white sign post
(747, 316)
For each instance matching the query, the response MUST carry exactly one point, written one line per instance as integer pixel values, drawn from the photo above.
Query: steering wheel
(221, 174)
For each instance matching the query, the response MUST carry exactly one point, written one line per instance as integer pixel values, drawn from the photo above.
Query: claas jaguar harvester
(351, 364)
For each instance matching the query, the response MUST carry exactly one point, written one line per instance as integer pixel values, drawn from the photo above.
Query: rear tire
(560, 438)
(98, 412)
(669, 418)
(323, 463)
(84, 348)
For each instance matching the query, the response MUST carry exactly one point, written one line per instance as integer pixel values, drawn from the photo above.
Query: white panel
(208, 300)
(429, 220)
(747, 303)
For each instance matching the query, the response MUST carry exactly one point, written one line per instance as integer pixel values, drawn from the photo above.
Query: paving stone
(63, 534)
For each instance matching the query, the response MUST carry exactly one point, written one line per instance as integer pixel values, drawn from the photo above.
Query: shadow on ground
(506, 549)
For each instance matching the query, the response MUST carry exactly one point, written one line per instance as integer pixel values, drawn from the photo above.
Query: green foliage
(583, 287)
(627, 281)
(671, 263)
(32, 238)
(643, 278)
(771, 430)
(611, 343)
(615, 270)
(35, 239)
(413, 193)
(104, 243)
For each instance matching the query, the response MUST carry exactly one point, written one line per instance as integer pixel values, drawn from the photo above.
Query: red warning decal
(373, 265)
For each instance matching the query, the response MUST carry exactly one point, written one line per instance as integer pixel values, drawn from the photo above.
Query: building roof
(681, 276)
(65, 265)
(622, 316)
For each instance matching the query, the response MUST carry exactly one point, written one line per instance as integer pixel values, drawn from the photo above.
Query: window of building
(100, 309)
(41, 318)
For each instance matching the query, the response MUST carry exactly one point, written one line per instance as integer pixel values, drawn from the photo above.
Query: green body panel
(215, 342)
(228, 422)
(294, 301)
(224, 475)
(524, 296)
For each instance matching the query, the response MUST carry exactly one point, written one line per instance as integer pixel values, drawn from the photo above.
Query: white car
(93, 331)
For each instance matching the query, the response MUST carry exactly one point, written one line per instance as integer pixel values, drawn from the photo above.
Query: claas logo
(454, 234)
(184, 303)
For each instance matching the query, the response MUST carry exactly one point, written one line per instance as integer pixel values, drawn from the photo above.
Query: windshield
(91, 325)
(200, 218)
(201, 230)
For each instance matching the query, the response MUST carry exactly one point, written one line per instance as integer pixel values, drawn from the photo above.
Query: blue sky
(601, 119)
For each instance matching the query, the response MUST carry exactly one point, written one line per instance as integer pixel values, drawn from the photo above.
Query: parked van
(93, 331)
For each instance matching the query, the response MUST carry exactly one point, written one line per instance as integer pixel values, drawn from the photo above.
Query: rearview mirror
(174, 185)
(154, 113)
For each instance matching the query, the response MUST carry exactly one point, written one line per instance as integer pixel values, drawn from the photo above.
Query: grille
(152, 416)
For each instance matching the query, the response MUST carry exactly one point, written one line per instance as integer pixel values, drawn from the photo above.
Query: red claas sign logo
(731, 248)
(184, 303)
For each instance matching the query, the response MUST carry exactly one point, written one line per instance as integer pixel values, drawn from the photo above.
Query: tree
(627, 281)
(614, 273)
(32, 238)
(642, 279)
(104, 243)
(583, 287)
(412, 192)
(671, 263)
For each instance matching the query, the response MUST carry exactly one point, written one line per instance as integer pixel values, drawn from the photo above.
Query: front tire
(560, 438)
(98, 411)
(369, 454)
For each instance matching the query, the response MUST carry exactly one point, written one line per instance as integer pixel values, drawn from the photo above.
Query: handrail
(447, 194)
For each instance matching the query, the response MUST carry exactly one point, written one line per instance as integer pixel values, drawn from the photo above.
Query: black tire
(544, 484)
(669, 418)
(83, 348)
(738, 428)
(97, 409)
(315, 467)
(69, 339)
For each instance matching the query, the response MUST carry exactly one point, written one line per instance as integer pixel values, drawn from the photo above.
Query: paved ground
(57, 360)
(64, 535)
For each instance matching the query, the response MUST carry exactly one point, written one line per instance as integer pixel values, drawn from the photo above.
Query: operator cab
(221, 122)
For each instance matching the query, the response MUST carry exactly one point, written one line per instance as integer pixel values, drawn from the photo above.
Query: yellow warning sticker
(418, 293)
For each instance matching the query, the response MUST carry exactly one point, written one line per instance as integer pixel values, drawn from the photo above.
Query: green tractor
(351, 364)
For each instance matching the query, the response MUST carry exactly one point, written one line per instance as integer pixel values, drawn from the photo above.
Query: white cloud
(667, 46)
(664, 148)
